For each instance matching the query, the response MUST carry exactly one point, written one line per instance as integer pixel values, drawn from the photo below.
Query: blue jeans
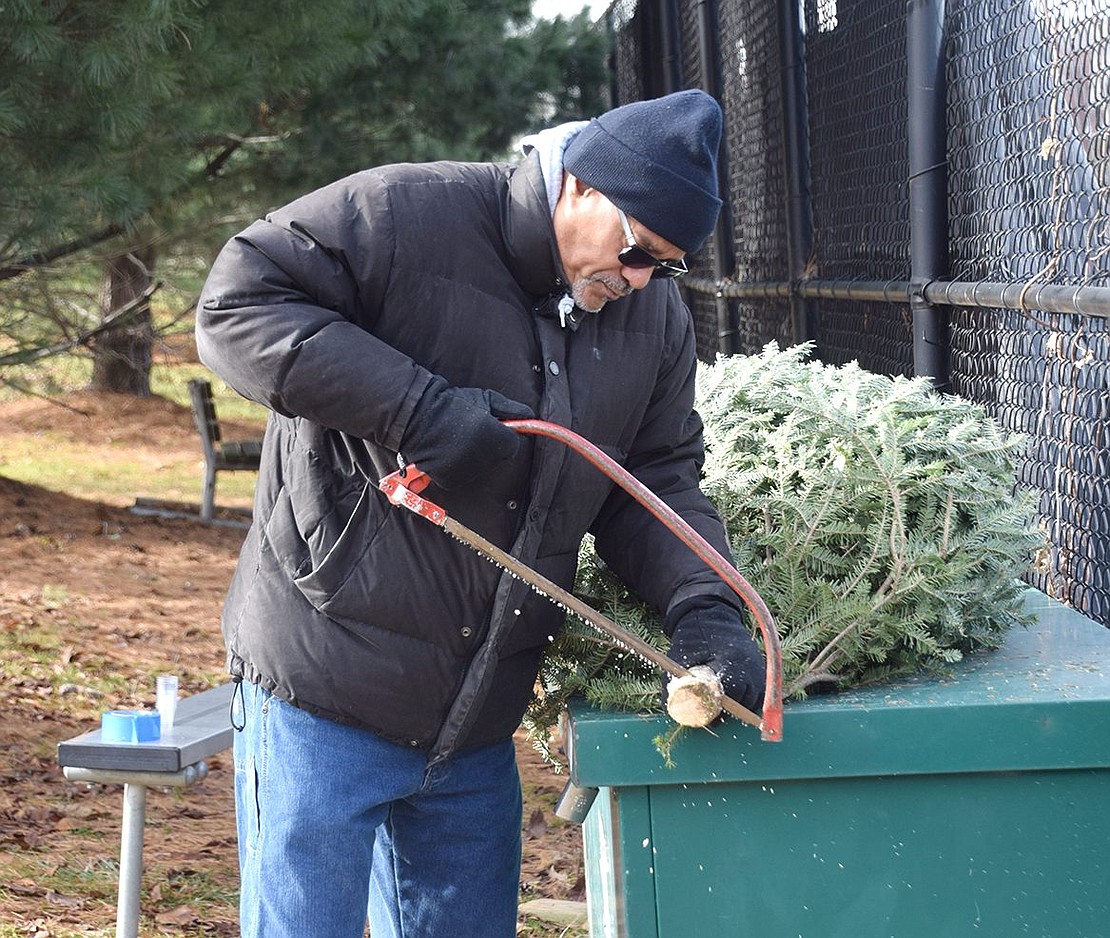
(336, 823)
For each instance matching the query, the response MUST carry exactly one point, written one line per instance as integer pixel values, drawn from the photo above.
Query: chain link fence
(925, 189)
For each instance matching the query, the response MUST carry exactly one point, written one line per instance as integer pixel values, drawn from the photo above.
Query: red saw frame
(401, 488)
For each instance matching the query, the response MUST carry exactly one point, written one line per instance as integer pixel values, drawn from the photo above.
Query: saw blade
(571, 603)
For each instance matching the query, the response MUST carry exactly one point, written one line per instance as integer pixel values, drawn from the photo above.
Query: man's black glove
(455, 435)
(706, 630)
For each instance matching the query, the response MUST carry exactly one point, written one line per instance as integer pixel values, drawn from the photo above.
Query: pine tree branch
(118, 318)
(231, 143)
(42, 258)
(213, 167)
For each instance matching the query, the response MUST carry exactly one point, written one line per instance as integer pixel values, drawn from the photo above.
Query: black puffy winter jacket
(335, 312)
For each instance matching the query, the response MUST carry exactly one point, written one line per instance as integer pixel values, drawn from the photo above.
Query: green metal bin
(976, 804)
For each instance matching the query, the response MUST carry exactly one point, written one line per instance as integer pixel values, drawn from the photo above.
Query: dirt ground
(94, 601)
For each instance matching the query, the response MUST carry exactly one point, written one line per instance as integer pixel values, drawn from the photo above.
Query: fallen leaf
(578, 890)
(67, 902)
(537, 824)
(24, 839)
(182, 915)
(25, 887)
(87, 812)
(38, 929)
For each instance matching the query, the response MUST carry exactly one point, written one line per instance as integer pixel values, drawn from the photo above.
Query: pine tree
(134, 132)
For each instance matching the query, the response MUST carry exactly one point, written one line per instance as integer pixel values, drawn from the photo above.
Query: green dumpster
(976, 804)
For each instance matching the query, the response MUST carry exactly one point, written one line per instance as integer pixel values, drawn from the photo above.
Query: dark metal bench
(219, 454)
(201, 728)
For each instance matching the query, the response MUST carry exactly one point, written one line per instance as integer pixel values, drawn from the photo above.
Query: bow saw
(402, 488)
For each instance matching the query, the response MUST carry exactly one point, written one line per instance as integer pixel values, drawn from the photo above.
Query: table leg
(135, 784)
(131, 860)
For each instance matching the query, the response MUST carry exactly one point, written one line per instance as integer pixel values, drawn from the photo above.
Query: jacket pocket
(319, 567)
(333, 565)
(285, 538)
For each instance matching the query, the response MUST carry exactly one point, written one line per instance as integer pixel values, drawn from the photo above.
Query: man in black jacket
(404, 312)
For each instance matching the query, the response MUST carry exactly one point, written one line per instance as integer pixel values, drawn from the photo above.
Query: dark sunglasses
(638, 258)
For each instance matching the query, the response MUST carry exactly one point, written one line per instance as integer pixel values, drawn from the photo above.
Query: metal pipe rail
(1084, 300)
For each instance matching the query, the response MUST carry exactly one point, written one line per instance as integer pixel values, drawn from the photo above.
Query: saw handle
(771, 724)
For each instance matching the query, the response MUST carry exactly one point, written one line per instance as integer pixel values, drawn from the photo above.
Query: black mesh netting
(711, 317)
(1029, 169)
(628, 61)
(752, 100)
(1028, 111)
(856, 84)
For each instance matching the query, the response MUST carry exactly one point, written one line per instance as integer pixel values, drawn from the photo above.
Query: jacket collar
(530, 242)
(529, 233)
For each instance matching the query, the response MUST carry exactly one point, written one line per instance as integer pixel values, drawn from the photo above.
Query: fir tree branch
(810, 678)
(946, 527)
(879, 520)
(832, 648)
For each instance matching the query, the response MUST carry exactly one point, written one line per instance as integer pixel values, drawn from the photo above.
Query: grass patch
(199, 889)
(111, 470)
(95, 884)
(95, 880)
(105, 472)
(63, 886)
(20, 931)
(58, 374)
(42, 655)
(171, 381)
(531, 927)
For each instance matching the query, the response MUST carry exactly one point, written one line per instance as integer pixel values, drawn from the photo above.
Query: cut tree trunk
(695, 700)
(122, 354)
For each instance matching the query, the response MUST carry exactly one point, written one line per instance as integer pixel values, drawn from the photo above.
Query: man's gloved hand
(455, 434)
(706, 630)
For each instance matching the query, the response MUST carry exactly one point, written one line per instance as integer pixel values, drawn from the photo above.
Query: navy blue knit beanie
(656, 160)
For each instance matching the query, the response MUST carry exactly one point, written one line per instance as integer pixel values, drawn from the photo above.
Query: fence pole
(928, 185)
(611, 30)
(653, 48)
(670, 30)
(799, 207)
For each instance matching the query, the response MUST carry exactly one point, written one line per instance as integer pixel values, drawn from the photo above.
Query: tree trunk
(122, 354)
